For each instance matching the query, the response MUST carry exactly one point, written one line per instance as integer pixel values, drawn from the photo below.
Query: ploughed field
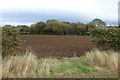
(56, 46)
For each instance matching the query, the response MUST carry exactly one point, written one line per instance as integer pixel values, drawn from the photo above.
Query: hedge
(9, 40)
(109, 36)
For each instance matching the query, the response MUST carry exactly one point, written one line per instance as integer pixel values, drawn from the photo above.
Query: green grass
(68, 66)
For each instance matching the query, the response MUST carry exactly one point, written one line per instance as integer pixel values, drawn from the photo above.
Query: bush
(109, 36)
(9, 39)
(24, 29)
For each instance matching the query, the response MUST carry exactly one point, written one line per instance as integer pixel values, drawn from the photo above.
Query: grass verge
(29, 66)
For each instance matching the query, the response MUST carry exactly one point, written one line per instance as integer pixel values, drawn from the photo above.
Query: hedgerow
(9, 39)
(110, 36)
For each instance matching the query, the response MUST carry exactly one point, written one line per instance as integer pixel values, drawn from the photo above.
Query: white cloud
(106, 9)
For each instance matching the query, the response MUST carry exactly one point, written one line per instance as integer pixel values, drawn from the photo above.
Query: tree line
(54, 27)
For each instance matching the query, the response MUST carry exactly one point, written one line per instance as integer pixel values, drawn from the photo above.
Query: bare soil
(56, 46)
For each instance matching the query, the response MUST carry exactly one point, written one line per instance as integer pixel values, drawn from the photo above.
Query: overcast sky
(16, 12)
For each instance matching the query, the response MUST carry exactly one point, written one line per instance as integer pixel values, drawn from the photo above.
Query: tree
(89, 27)
(99, 23)
(74, 27)
(24, 29)
(80, 28)
(33, 29)
(52, 20)
(52, 27)
(66, 22)
(67, 29)
(39, 26)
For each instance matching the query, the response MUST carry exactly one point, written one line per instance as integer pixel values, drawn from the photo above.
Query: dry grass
(103, 58)
(26, 66)
(19, 66)
(29, 66)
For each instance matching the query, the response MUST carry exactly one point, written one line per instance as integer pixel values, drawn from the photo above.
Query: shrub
(24, 29)
(110, 36)
(9, 39)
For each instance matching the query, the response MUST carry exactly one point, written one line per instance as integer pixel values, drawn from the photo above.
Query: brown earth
(56, 46)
